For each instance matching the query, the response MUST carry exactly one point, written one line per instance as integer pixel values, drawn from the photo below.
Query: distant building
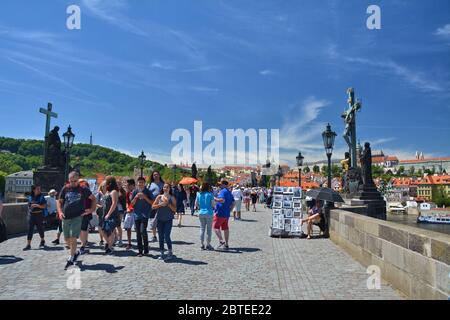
(429, 186)
(17, 185)
(439, 165)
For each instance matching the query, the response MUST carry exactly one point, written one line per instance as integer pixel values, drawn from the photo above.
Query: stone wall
(414, 261)
(15, 217)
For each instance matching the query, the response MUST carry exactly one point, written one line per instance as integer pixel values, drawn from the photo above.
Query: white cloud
(443, 31)
(204, 89)
(109, 11)
(414, 78)
(298, 129)
(266, 72)
(162, 65)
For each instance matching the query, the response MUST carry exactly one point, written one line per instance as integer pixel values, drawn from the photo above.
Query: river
(411, 220)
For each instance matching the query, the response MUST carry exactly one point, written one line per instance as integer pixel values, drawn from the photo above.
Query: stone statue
(349, 117)
(366, 165)
(55, 158)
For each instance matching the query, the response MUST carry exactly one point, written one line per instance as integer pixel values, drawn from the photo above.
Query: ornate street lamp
(142, 158)
(328, 137)
(69, 137)
(299, 159)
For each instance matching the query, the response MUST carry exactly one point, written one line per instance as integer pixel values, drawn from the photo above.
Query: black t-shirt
(74, 200)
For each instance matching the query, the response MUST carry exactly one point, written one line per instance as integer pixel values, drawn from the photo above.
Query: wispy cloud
(414, 78)
(49, 76)
(443, 31)
(29, 36)
(301, 131)
(266, 72)
(204, 89)
(382, 141)
(110, 11)
(162, 65)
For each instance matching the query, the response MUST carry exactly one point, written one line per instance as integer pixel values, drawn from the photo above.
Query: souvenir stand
(286, 212)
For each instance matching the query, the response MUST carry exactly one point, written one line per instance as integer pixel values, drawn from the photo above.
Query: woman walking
(205, 203)
(100, 201)
(247, 199)
(165, 205)
(110, 212)
(36, 206)
(180, 196)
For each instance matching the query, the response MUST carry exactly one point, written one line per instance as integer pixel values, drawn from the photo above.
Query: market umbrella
(188, 180)
(325, 194)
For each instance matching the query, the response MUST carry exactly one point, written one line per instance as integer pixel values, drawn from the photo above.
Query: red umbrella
(188, 180)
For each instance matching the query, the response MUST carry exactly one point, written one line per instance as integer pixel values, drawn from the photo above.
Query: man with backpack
(71, 209)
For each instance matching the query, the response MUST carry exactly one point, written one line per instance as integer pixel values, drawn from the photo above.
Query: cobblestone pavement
(256, 267)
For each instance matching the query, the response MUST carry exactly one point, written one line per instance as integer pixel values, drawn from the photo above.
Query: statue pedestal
(369, 196)
(49, 178)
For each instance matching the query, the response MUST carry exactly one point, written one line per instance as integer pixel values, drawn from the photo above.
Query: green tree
(316, 169)
(2, 182)
(336, 171)
(306, 170)
(401, 170)
(412, 170)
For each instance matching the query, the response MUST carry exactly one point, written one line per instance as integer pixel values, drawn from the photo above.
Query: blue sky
(137, 70)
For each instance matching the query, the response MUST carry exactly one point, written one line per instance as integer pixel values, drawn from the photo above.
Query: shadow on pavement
(9, 260)
(47, 248)
(238, 250)
(176, 259)
(109, 268)
(182, 242)
(247, 220)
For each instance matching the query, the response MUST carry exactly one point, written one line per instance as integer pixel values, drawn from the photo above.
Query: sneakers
(42, 244)
(154, 239)
(28, 247)
(220, 246)
(203, 247)
(55, 242)
(77, 254)
(161, 257)
(120, 243)
(69, 263)
(83, 250)
(209, 247)
(169, 256)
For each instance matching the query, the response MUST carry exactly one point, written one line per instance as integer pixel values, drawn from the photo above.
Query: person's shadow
(109, 268)
(182, 242)
(9, 260)
(238, 250)
(176, 259)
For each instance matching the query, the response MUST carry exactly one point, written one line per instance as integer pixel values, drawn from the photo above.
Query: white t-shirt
(51, 204)
(237, 194)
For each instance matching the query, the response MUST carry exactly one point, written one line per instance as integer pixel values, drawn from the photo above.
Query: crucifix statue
(349, 117)
(49, 114)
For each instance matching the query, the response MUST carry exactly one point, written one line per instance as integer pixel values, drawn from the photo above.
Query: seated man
(314, 216)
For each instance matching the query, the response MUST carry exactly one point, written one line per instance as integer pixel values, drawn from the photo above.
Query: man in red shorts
(224, 205)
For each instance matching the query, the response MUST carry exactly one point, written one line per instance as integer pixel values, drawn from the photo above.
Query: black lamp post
(328, 137)
(299, 165)
(142, 158)
(68, 136)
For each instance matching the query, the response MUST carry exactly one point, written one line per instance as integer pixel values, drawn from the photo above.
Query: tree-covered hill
(19, 154)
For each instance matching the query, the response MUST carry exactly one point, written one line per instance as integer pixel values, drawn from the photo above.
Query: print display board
(286, 212)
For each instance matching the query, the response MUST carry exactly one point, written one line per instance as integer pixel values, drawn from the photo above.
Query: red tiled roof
(391, 158)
